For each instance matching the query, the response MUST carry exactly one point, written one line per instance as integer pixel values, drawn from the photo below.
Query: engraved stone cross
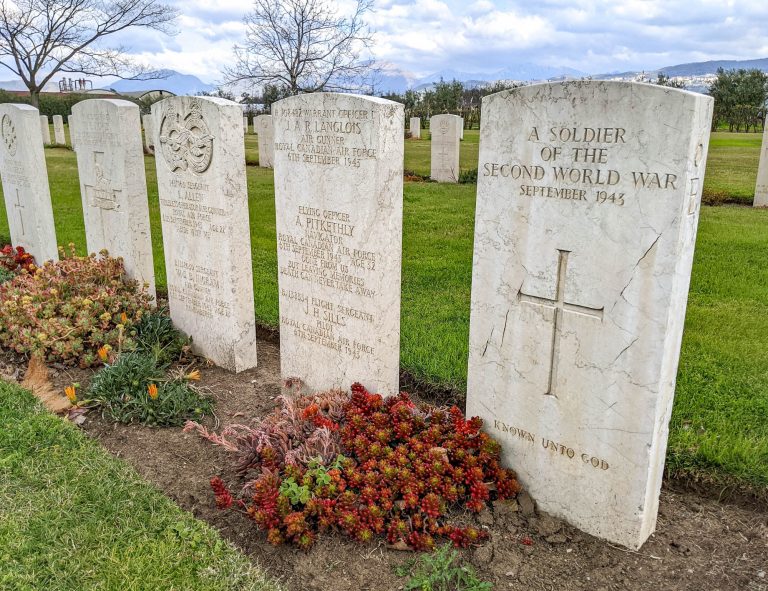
(560, 306)
(19, 207)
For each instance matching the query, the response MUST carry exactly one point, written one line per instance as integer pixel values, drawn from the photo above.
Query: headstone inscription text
(338, 194)
(110, 162)
(25, 182)
(200, 159)
(587, 208)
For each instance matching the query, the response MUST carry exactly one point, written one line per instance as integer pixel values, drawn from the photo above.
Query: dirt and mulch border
(714, 541)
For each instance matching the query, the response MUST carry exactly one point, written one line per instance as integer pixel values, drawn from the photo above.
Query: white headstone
(461, 128)
(761, 187)
(149, 133)
(415, 128)
(587, 206)
(110, 163)
(245, 124)
(58, 130)
(200, 159)
(72, 123)
(265, 128)
(25, 182)
(339, 200)
(444, 131)
(45, 130)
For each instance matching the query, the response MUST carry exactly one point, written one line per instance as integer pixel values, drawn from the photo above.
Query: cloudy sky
(425, 36)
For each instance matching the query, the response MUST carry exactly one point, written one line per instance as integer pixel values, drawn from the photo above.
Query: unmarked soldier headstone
(761, 187)
(587, 207)
(72, 123)
(200, 159)
(58, 130)
(445, 131)
(339, 199)
(415, 128)
(45, 130)
(264, 126)
(110, 163)
(149, 133)
(25, 182)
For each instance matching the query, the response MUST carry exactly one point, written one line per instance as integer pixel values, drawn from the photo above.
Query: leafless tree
(304, 46)
(40, 38)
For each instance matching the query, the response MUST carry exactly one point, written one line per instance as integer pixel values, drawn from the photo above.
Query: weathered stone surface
(245, 123)
(338, 193)
(264, 126)
(110, 163)
(58, 130)
(25, 182)
(149, 133)
(445, 132)
(461, 128)
(200, 159)
(587, 208)
(45, 130)
(761, 187)
(415, 127)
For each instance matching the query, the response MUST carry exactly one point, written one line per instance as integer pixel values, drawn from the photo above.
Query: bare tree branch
(303, 46)
(40, 38)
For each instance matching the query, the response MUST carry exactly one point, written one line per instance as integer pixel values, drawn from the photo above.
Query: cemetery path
(699, 543)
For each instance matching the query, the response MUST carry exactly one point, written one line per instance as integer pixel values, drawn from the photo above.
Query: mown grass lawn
(732, 167)
(720, 423)
(74, 518)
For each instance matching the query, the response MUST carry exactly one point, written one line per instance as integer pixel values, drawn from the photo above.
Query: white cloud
(424, 36)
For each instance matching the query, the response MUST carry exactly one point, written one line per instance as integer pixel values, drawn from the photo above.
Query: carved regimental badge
(185, 140)
(8, 131)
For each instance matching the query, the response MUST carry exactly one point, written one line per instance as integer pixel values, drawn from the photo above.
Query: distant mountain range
(393, 79)
(172, 81)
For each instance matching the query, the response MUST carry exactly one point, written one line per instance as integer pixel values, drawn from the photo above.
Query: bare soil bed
(700, 544)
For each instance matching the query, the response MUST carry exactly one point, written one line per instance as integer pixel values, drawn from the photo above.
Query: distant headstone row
(587, 207)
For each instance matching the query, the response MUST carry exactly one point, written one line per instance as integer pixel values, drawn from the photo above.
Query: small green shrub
(157, 336)
(468, 177)
(135, 389)
(6, 275)
(66, 311)
(441, 571)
